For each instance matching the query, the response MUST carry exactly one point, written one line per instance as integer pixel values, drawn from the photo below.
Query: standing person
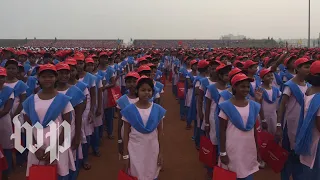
(238, 146)
(270, 101)
(189, 87)
(97, 116)
(203, 66)
(7, 99)
(20, 89)
(78, 103)
(47, 106)
(289, 72)
(145, 70)
(307, 142)
(143, 133)
(251, 68)
(288, 119)
(125, 100)
(212, 100)
(73, 80)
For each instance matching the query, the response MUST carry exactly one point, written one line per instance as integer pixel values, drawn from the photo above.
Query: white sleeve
(68, 108)
(100, 84)
(287, 91)
(157, 96)
(208, 94)
(223, 115)
(86, 92)
(11, 96)
(124, 119)
(197, 84)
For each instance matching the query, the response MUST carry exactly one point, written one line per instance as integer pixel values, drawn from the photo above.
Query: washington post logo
(54, 132)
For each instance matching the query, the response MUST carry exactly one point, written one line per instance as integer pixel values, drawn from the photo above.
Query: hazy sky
(145, 19)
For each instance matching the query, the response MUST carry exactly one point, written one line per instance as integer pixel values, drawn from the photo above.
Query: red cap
(71, 61)
(222, 66)
(142, 77)
(233, 72)
(103, 54)
(193, 62)
(133, 74)
(3, 71)
(203, 64)
(47, 67)
(78, 57)
(264, 72)
(288, 59)
(239, 77)
(89, 60)
(151, 65)
(315, 68)
(266, 60)
(141, 59)
(143, 68)
(300, 61)
(62, 66)
(20, 53)
(249, 63)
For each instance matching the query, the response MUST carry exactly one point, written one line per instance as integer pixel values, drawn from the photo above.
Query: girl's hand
(264, 125)
(258, 95)
(207, 129)
(160, 159)
(98, 112)
(278, 135)
(126, 165)
(224, 159)
(40, 154)
(75, 143)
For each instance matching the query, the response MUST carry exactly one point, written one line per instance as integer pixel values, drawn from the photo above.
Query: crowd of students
(226, 93)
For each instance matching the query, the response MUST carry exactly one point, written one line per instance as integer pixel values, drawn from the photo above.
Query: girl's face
(224, 60)
(12, 70)
(20, 75)
(22, 59)
(80, 65)
(96, 61)
(153, 73)
(89, 67)
(47, 79)
(304, 69)
(63, 76)
(73, 72)
(253, 69)
(32, 59)
(224, 77)
(291, 64)
(2, 80)
(131, 84)
(103, 60)
(145, 92)
(243, 88)
(194, 67)
(268, 78)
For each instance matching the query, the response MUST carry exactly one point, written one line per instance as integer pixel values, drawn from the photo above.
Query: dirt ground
(180, 156)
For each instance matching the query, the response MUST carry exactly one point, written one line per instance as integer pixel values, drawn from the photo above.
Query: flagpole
(309, 27)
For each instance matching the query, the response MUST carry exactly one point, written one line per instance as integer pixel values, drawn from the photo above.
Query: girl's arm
(190, 85)
(160, 137)
(126, 137)
(318, 122)
(279, 61)
(200, 103)
(207, 113)
(223, 134)
(93, 99)
(120, 124)
(112, 83)
(99, 101)
(280, 116)
(78, 109)
(19, 108)
(7, 108)
(65, 117)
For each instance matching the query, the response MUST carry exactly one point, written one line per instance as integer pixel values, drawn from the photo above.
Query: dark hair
(223, 71)
(202, 70)
(129, 78)
(314, 80)
(144, 81)
(144, 72)
(20, 68)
